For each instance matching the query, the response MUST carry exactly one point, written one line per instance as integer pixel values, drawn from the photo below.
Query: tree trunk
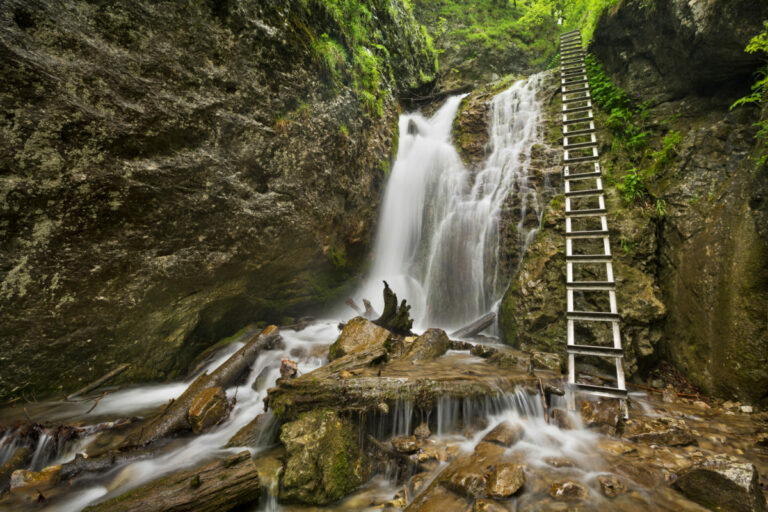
(475, 327)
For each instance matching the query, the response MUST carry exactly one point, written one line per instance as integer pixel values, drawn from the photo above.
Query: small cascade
(438, 238)
(43, 452)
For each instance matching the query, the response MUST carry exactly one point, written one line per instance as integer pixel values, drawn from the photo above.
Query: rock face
(32, 485)
(678, 47)
(691, 282)
(172, 172)
(324, 459)
(356, 336)
(723, 483)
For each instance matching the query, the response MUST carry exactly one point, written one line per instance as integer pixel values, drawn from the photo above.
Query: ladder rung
(570, 69)
(584, 131)
(602, 390)
(598, 316)
(592, 212)
(592, 233)
(579, 90)
(588, 258)
(573, 100)
(577, 109)
(564, 62)
(590, 285)
(576, 121)
(578, 145)
(582, 175)
(571, 74)
(590, 350)
(578, 159)
(588, 192)
(571, 53)
(566, 82)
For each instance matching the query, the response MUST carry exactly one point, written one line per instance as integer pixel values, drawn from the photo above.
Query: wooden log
(174, 418)
(476, 326)
(370, 313)
(213, 487)
(98, 382)
(394, 318)
(352, 304)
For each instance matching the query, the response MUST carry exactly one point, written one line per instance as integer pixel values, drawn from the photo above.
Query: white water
(438, 238)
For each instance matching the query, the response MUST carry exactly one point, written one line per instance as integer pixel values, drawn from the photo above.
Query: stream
(438, 247)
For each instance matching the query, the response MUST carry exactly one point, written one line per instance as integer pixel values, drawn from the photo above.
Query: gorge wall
(173, 171)
(692, 258)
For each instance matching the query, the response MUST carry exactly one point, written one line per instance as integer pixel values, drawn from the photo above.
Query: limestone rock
(611, 486)
(504, 480)
(567, 491)
(422, 431)
(664, 431)
(723, 483)
(604, 415)
(405, 444)
(505, 434)
(324, 461)
(486, 505)
(208, 408)
(31, 485)
(430, 345)
(359, 334)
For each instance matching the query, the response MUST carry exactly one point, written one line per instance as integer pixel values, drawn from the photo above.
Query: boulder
(611, 486)
(422, 431)
(18, 460)
(604, 415)
(324, 461)
(359, 334)
(486, 505)
(430, 345)
(405, 444)
(32, 485)
(663, 431)
(504, 480)
(505, 434)
(567, 491)
(208, 408)
(723, 483)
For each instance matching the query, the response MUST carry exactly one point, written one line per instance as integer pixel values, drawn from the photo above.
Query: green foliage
(331, 56)
(759, 94)
(583, 15)
(632, 185)
(667, 152)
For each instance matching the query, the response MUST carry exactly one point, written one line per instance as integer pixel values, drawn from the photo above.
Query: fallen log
(98, 382)
(82, 464)
(174, 418)
(352, 304)
(370, 313)
(214, 487)
(475, 327)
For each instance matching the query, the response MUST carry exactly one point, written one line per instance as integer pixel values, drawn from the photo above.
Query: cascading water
(438, 238)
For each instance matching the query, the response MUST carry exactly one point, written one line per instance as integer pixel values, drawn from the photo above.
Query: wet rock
(486, 505)
(746, 409)
(505, 434)
(562, 418)
(547, 361)
(467, 480)
(663, 431)
(616, 447)
(669, 395)
(261, 431)
(18, 460)
(32, 485)
(324, 461)
(359, 334)
(611, 486)
(560, 462)
(430, 345)
(288, 369)
(405, 444)
(603, 415)
(437, 498)
(723, 483)
(422, 431)
(567, 491)
(504, 480)
(208, 408)
(260, 382)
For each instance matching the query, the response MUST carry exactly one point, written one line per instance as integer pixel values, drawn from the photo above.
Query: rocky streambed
(366, 419)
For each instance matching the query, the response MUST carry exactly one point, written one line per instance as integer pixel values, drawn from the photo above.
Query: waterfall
(438, 237)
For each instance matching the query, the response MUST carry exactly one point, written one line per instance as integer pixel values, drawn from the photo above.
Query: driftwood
(352, 304)
(476, 326)
(81, 464)
(214, 487)
(394, 318)
(174, 418)
(98, 382)
(370, 313)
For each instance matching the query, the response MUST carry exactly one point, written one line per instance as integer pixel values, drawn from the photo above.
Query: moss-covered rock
(324, 461)
(359, 334)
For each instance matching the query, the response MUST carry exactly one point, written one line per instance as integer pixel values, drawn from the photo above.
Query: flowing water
(438, 236)
(437, 246)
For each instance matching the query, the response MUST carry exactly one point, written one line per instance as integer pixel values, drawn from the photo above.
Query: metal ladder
(581, 167)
